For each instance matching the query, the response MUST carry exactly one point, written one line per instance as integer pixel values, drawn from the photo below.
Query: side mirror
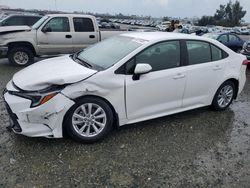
(141, 69)
(47, 30)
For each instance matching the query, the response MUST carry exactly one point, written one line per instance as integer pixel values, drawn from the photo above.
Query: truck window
(15, 20)
(83, 25)
(59, 24)
(32, 20)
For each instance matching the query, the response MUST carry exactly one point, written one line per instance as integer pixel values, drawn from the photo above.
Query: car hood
(12, 29)
(55, 71)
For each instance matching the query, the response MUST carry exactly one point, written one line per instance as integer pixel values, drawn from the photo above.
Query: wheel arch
(116, 116)
(29, 45)
(236, 83)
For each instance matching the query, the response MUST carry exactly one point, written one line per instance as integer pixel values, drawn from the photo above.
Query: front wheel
(224, 96)
(21, 56)
(89, 120)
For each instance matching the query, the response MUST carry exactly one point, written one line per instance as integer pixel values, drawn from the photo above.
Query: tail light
(245, 62)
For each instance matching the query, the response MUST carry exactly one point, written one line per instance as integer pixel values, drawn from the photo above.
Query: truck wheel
(21, 56)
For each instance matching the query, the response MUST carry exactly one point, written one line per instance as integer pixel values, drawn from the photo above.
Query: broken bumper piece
(42, 121)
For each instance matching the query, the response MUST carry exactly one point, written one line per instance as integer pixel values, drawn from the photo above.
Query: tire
(21, 56)
(226, 87)
(74, 123)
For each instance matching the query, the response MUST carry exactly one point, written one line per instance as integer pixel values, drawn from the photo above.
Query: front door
(160, 91)
(55, 37)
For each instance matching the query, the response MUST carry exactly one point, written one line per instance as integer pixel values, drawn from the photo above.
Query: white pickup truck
(51, 35)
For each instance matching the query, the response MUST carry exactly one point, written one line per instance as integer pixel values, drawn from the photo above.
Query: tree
(230, 14)
(238, 13)
(206, 20)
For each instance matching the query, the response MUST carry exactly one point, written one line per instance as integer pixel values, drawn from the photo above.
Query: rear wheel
(21, 56)
(224, 96)
(89, 120)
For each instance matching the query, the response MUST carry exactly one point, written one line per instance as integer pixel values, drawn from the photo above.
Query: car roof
(159, 36)
(71, 15)
(20, 15)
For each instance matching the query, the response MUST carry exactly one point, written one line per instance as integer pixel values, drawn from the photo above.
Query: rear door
(58, 38)
(84, 33)
(204, 73)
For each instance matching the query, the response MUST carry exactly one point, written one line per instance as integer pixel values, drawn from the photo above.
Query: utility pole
(56, 5)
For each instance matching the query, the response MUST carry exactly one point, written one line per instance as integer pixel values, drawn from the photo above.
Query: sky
(155, 8)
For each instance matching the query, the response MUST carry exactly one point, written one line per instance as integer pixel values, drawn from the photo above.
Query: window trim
(123, 68)
(57, 31)
(224, 54)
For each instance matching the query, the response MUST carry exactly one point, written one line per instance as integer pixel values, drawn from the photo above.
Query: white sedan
(126, 79)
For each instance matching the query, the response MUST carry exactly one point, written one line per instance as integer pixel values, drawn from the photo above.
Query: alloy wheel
(89, 120)
(225, 96)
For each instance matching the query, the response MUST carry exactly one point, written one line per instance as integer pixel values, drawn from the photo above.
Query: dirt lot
(199, 148)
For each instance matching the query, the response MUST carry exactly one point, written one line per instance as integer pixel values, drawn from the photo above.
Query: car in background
(232, 41)
(246, 50)
(163, 26)
(123, 80)
(244, 31)
(16, 20)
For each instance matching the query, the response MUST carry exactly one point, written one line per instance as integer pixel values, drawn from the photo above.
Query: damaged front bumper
(42, 121)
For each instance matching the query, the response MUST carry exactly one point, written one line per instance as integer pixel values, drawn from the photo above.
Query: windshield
(110, 51)
(40, 22)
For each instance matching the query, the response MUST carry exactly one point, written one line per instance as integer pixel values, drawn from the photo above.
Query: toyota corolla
(126, 79)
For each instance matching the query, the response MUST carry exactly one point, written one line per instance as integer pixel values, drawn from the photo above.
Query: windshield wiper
(82, 62)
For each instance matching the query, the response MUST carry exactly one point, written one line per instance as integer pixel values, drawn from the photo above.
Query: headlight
(39, 97)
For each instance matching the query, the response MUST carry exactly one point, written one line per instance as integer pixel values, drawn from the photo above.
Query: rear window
(217, 53)
(198, 52)
(15, 20)
(32, 20)
(83, 25)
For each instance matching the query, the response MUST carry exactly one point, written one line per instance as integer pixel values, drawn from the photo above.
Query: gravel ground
(199, 148)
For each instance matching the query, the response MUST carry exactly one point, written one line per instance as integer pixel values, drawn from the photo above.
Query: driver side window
(223, 38)
(161, 56)
(60, 24)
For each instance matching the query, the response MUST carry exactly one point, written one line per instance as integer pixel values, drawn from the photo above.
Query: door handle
(91, 36)
(217, 67)
(179, 76)
(68, 36)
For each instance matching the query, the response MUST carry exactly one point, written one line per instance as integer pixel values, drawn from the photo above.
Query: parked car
(164, 25)
(122, 80)
(230, 40)
(246, 50)
(244, 31)
(51, 35)
(14, 20)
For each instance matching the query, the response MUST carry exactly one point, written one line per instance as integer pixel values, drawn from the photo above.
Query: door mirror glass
(142, 69)
(47, 30)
